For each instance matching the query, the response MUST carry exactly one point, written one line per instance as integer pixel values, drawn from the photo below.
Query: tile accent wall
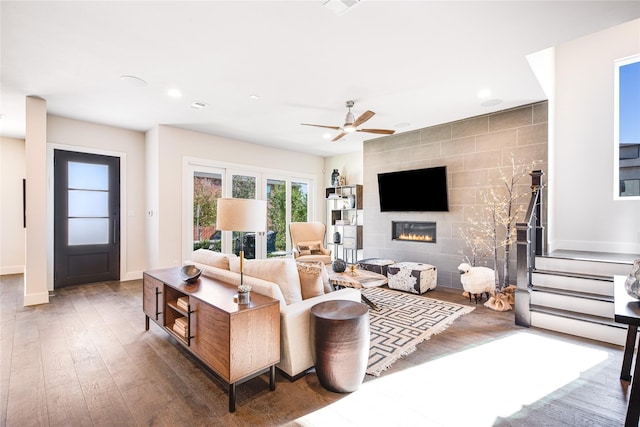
(473, 150)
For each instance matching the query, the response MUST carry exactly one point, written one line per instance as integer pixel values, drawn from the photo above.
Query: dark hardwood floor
(85, 359)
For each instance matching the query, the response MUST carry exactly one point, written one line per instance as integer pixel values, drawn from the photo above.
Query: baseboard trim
(36, 299)
(12, 269)
(131, 275)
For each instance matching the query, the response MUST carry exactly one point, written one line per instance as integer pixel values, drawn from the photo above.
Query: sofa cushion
(214, 259)
(311, 279)
(260, 286)
(281, 271)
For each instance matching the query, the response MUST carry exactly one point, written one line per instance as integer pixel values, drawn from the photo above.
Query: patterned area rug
(402, 322)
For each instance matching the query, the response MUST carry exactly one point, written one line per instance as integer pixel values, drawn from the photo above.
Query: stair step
(562, 273)
(576, 302)
(625, 258)
(579, 325)
(570, 282)
(573, 293)
(599, 320)
(583, 266)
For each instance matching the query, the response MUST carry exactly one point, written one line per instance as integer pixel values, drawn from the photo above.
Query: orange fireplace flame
(418, 237)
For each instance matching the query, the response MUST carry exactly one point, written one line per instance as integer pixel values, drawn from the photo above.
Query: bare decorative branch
(492, 227)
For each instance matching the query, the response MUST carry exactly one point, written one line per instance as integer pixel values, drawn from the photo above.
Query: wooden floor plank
(85, 359)
(67, 406)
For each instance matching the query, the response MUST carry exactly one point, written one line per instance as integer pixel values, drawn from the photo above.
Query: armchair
(307, 242)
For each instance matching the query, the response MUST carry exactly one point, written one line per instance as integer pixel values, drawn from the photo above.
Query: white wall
(349, 165)
(152, 193)
(584, 214)
(170, 146)
(12, 172)
(75, 135)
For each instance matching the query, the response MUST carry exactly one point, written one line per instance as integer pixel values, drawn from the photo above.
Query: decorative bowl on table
(190, 273)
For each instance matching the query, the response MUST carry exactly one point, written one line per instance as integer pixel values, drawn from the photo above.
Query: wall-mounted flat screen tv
(418, 190)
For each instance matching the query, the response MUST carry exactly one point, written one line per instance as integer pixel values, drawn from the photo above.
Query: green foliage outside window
(276, 213)
(208, 189)
(243, 187)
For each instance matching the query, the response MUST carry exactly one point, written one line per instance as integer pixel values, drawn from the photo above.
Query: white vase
(632, 284)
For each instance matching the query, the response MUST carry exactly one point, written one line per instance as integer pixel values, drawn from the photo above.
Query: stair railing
(529, 243)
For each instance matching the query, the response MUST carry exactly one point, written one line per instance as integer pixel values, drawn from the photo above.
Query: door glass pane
(276, 216)
(88, 231)
(299, 202)
(207, 189)
(244, 187)
(88, 176)
(88, 203)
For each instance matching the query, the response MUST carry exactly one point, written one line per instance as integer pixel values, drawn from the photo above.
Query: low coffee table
(358, 278)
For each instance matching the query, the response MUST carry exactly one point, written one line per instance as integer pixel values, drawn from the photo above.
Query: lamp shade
(241, 215)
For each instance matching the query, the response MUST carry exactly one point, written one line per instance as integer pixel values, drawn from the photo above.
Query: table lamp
(241, 215)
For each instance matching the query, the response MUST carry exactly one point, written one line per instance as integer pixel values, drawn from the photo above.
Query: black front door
(86, 218)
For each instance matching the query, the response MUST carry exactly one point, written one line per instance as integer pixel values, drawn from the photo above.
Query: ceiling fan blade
(381, 131)
(322, 126)
(363, 118)
(339, 136)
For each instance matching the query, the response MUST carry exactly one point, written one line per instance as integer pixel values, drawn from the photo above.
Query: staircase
(572, 293)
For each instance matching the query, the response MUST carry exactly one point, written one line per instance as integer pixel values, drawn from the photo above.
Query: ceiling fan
(351, 124)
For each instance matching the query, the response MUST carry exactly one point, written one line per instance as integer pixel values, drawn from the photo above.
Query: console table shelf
(236, 342)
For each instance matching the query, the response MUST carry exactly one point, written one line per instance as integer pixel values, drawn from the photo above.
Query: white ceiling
(416, 63)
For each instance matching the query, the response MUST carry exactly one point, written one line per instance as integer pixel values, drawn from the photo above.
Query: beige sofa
(298, 286)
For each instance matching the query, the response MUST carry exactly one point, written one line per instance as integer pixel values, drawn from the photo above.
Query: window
(627, 128)
(287, 199)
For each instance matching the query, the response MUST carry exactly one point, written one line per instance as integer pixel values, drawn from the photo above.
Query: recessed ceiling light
(254, 96)
(197, 105)
(491, 102)
(326, 136)
(484, 94)
(174, 93)
(133, 80)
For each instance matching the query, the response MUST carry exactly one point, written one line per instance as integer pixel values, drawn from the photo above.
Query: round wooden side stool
(340, 342)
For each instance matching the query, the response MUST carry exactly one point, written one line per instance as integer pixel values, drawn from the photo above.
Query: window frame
(618, 63)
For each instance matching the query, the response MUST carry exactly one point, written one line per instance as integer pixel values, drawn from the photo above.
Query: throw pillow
(281, 271)
(311, 279)
(310, 248)
(214, 259)
(304, 250)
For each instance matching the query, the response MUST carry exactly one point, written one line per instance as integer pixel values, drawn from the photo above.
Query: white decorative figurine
(477, 281)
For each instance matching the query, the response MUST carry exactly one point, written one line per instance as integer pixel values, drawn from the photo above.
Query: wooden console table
(237, 342)
(627, 311)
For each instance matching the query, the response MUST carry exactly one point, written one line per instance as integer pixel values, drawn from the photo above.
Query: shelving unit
(174, 312)
(344, 215)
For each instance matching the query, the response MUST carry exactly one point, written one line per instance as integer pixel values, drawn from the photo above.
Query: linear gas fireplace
(413, 231)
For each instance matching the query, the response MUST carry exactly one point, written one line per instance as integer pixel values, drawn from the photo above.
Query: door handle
(115, 231)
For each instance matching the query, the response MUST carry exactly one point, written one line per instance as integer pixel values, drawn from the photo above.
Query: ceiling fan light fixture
(352, 124)
(348, 121)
